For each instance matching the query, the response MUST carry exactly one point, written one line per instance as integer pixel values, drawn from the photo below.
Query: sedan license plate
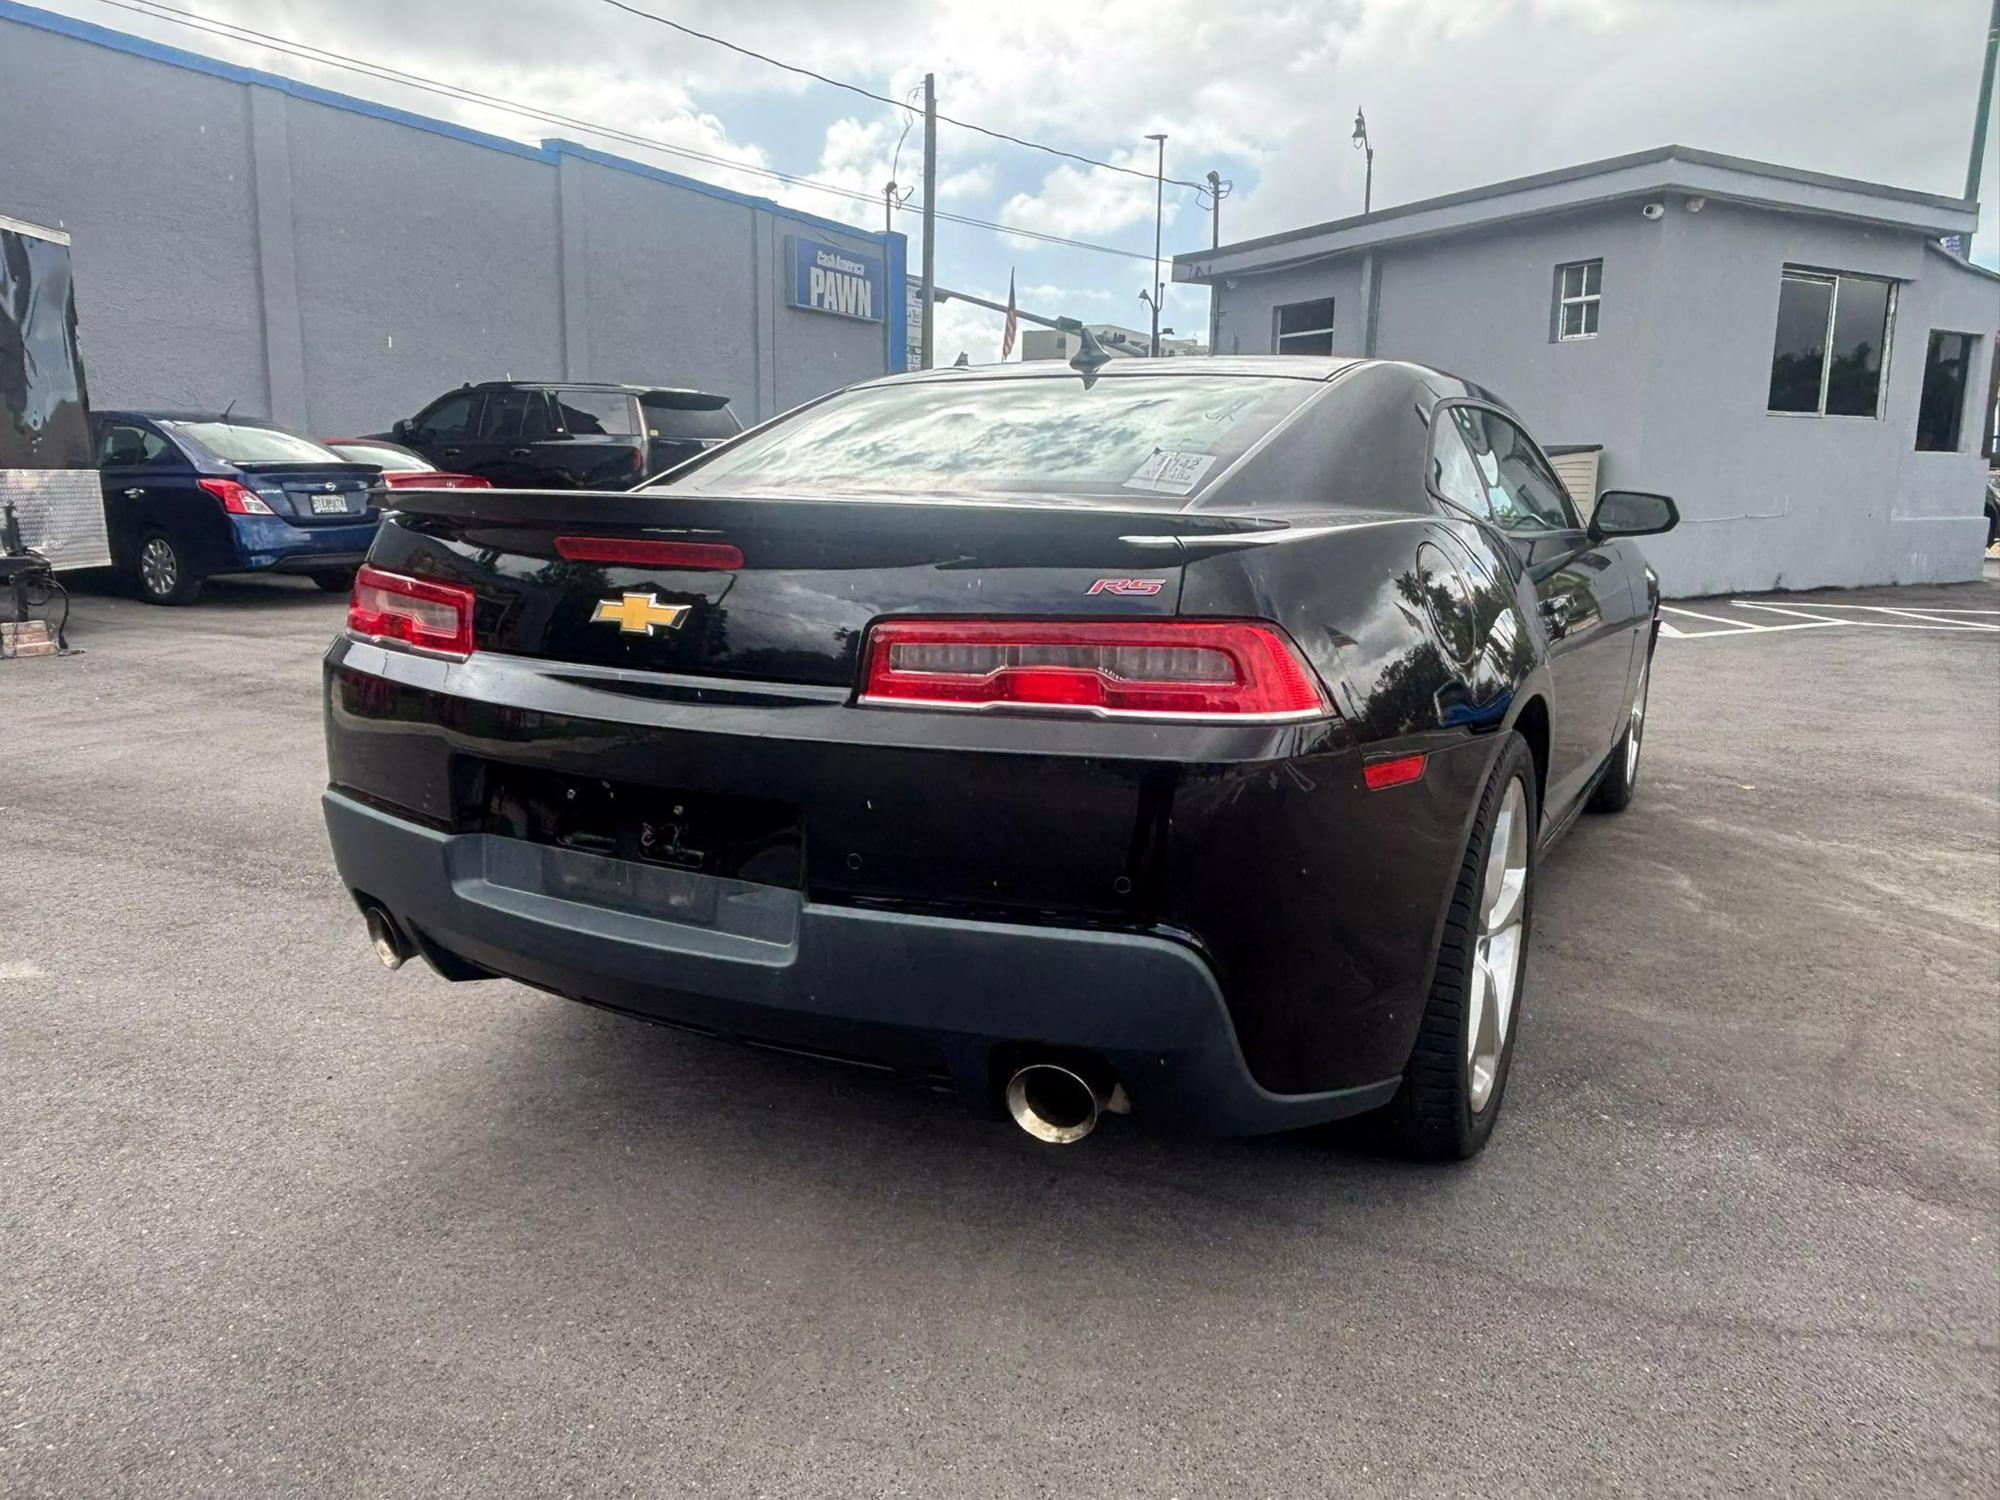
(329, 505)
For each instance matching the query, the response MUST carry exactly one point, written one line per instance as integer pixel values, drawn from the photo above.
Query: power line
(232, 31)
(855, 88)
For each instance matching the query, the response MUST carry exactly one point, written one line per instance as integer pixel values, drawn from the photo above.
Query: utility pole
(1159, 213)
(930, 217)
(1362, 143)
(1215, 210)
(1980, 116)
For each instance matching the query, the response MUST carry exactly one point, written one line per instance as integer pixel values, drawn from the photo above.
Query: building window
(1940, 409)
(1578, 287)
(1832, 344)
(1306, 327)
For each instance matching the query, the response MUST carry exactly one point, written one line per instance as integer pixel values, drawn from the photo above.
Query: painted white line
(1779, 609)
(1931, 619)
(1695, 614)
(21, 973)
(1893, 609)
(1748, 632)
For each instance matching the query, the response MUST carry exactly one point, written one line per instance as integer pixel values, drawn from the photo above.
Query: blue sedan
(188, 495)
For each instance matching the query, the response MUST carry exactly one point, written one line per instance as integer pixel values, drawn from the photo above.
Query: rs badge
(639, 614)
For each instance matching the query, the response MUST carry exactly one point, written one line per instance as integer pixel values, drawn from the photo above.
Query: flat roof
(1664, 169)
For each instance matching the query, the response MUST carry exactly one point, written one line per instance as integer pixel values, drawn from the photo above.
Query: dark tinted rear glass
(689, 418)
(597, 413)
(1151, 440)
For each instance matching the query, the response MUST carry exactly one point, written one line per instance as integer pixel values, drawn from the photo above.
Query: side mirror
(401, 431)
(1632, 513)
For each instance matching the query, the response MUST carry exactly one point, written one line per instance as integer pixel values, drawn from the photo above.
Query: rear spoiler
(684, 400)
(683, 509)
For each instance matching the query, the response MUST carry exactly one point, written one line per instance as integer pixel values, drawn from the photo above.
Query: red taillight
(1172, 669)
(637, 552)
(235, 499)
(415, 611)
(1382, 774)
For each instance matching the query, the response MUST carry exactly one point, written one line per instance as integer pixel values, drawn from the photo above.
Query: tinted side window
(1522, 492)
(1452, 473)
(597, 413)
(128, 446)
(514, 416)
(450, 420)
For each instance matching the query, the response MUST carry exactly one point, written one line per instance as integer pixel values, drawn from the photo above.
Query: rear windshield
(596, 413)
(689, 418)
(1150, 440)
(389, 460)
(240, 443)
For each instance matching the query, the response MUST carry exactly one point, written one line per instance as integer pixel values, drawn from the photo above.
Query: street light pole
(930, 219)
(1159, 215)
(1980, 114)
(1362, 143)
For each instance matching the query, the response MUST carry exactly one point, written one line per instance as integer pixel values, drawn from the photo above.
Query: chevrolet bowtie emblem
(639, 614)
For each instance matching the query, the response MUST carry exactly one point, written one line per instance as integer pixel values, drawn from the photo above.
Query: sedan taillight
(1168, 669)
(415, 611)
(235, 499)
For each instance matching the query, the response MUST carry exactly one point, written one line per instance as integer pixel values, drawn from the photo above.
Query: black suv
(571, 435)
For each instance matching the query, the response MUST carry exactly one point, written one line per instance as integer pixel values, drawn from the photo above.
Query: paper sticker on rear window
(1170, 473)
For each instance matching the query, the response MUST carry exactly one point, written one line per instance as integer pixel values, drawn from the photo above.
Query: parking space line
(1941, 609)
(1733, 627)
(1911, 623)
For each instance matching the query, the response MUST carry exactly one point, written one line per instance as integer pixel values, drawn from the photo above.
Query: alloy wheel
(159, 569)
(1495, 981)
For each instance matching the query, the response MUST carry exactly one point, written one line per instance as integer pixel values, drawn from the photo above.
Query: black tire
(161, 573)
(1433, 1117)
(1614, 789)
(339, 581)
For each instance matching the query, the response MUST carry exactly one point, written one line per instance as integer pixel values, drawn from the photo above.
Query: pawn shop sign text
(828, 279)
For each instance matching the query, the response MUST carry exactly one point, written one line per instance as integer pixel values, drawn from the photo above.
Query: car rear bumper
(959, 999)
(270, 542)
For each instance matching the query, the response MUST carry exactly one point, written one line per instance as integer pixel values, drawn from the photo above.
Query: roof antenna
(1090, 356)
(229, 408)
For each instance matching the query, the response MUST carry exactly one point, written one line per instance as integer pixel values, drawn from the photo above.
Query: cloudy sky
(1457, 94)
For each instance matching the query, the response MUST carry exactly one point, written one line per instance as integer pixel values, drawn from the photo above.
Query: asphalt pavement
(274, 1221)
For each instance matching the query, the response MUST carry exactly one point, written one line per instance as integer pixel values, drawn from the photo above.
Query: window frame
(1834, 279)
(1966, 391)
(1442, 413)
(1586, 298)
(1278, 336)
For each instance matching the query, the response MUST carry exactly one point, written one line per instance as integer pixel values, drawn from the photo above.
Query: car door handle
(134, 494)
(520, 453)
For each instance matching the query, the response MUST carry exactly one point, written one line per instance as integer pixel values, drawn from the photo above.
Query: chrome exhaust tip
(1056, 1104)
(387, 940)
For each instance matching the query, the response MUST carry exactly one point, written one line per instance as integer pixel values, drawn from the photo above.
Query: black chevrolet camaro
(1177, 738)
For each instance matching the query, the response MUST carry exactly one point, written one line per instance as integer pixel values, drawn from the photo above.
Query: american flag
(1013, 321)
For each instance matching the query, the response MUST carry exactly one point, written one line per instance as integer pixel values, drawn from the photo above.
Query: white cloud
(1456, 94)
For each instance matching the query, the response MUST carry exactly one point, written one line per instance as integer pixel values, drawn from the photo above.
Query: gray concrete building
(333, 263)
(1794, 357)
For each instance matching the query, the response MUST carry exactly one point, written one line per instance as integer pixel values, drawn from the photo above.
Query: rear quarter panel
(1423, 644)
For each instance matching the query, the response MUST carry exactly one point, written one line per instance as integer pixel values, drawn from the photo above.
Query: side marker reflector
(1382, 774)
